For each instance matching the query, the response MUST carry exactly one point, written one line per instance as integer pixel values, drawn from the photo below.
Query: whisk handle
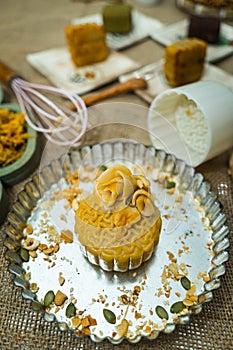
(7, 74)
(129, 85)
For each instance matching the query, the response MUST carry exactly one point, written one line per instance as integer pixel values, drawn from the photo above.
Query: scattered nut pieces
(61, 279)
(122, 328)
(30, 243)
(33, 253)
(76, 321)
(29, 229)
(188, 302)
(42, 246)
(48, 250)
(174, 270)
(56, 248)
(34, 287)
(83, 324)
(179, 198)
(171, 190)
(60, 298)
(67, 236)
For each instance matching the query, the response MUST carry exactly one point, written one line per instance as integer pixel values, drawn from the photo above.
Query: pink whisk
(59, 124)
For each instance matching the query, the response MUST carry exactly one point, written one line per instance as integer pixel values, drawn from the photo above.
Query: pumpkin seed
(70, 310)
(24, 254)
(185, 282)
(49, 298)
(109, 316)
(170, 184)
(37, 306)
(161, 312)
(103, 167)
(177, 307)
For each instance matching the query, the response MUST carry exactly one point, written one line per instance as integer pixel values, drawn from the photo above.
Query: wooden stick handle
(6, 73)
(129, 85)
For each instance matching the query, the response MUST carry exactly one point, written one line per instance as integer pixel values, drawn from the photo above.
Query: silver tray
(193, 242)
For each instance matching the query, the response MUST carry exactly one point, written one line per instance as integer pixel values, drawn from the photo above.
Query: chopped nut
(56, 248)
(171, 256)
(188, 302)
(48, 251)
(34, 287)
(122, 328)
(85, 322)
(191, 291)
(92, 321)
(61, 280)
(63, 217)
(193, 298)
(179, 198)
(30, 244)
(60, 298)
(67, 235)
(206, 278)
(125, 299)
(171, 190)
(86, 330)
(148, 329)
(29, 229)
(33, 253)
(57, 309)
(42, 247)
(137, 290)
(76, 321)
(137, 315)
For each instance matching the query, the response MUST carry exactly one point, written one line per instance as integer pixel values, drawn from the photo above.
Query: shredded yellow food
(13, 136)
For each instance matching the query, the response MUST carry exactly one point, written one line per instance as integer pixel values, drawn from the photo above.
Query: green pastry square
(117, 18)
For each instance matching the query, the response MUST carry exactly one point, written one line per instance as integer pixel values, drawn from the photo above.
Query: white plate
(193, 242)
(157, 83)
(176, 31)
(56, 66)
(142, 26)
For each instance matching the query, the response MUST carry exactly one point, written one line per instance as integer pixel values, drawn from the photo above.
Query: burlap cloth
(21, 327)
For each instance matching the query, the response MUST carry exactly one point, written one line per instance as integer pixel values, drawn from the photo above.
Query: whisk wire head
(59, 124)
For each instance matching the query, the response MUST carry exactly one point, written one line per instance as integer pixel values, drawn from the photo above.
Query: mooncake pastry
(205, 28)
(215, 3)
(118, 225)
(117, 18)
(184, 61)
(86, 43)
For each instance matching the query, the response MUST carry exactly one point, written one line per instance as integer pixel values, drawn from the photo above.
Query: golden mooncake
(118, 225)
(184, 61)
(86, 43)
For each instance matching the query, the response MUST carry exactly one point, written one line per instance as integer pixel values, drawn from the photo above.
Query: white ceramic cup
(194, 122)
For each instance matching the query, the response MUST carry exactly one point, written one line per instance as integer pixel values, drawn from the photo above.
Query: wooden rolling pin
(129, 85)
